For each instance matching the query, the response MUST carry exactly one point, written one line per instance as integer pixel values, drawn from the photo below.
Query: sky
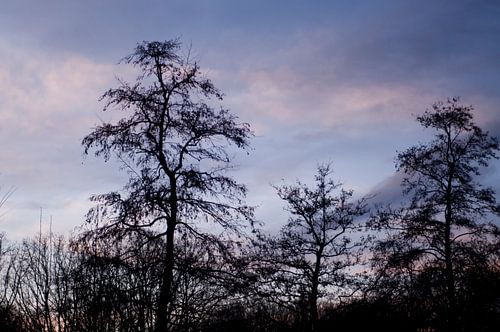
(318, 81)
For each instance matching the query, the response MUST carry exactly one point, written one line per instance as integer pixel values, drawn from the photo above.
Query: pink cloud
(40, 95)
(291, 98)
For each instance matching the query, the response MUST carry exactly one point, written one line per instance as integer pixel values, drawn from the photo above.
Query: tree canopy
(175, 144)
(447, 223)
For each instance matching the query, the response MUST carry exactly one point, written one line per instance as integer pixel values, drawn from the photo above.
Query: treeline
(177, 248)
(56, 285)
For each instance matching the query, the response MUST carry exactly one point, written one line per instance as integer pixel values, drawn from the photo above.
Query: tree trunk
(313, 297)
(165, 300)
(166, 287)
(449, 274)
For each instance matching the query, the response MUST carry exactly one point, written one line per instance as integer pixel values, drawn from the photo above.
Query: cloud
(41, 95)
(47, 106)
(417, 41)
(378, 64)
(284, 97)
(46, 109)
(388, 191)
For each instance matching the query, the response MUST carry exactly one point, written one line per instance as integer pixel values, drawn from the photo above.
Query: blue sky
(319, 81)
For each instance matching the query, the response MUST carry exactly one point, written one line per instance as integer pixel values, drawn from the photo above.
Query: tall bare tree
(175, 144)
(447, 221)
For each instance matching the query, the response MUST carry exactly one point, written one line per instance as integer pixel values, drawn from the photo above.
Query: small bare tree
(311, 257)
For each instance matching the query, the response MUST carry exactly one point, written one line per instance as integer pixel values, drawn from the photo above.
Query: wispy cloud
(47, 106)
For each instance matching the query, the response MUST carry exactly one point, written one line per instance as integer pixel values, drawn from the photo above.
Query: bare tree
(175, 147)
(9, 283)
(446, 224)
(311, 257)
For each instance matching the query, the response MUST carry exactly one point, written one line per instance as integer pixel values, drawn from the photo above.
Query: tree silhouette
(175, 145)
(311, 257)
(445, 227)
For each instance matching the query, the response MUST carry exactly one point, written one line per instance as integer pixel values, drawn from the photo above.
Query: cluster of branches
(50, 283)
(177, 248)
